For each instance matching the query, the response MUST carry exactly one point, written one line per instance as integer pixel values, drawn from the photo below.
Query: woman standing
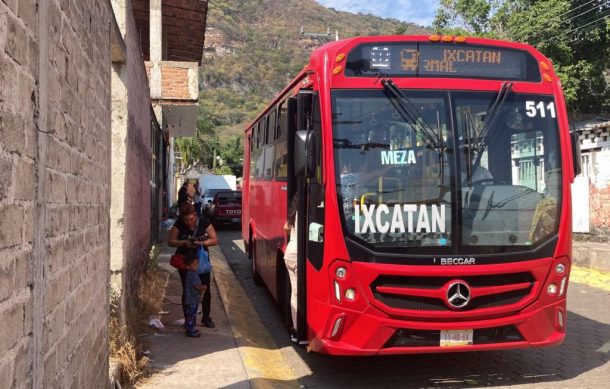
(290, 259)
(190, 232)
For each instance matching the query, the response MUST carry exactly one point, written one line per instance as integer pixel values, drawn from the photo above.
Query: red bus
(434, 173)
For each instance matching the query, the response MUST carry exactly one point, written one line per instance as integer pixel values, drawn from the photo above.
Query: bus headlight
(560, 268)
(350, 294)
(551, 289)
(341, 272)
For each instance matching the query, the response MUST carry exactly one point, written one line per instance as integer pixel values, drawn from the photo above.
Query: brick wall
(600, 209)
(54, 256)
(179, 80)
(600, 194)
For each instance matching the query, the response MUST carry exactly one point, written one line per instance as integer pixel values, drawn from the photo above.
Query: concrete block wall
(54, 192)
(131, 161)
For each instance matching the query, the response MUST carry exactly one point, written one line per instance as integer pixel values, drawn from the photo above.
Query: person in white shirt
(290, 259)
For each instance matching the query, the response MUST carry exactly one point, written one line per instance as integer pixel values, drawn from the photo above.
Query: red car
(226, 207)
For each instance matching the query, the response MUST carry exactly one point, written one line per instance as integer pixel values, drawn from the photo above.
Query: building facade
(84, 160)
(155, 90)
(592, 188)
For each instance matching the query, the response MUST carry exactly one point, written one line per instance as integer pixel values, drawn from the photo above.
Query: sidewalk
(212, 361)
(238, 353)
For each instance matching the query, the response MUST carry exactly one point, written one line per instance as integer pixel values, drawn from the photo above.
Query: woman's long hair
(187, 209)
(292, 211)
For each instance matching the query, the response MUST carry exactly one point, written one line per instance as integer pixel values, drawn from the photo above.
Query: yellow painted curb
(265, 365)
(590, 277)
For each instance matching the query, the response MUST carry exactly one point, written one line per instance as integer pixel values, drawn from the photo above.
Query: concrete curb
(263, 360)
(591, 255)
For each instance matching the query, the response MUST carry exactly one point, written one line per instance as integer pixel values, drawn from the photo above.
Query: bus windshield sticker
(406, 218)
(398, 157)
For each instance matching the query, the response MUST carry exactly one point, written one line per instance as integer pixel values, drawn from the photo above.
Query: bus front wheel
(258, 281)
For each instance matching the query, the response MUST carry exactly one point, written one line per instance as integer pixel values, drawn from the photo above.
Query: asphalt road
(582, 361)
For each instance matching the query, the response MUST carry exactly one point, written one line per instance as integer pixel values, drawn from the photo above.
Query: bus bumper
(373, 333)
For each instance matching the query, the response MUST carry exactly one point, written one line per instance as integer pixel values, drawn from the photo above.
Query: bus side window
(259, 157)
(262, 130)
(271, 127)
(280, 166)
(282, 128)
(268, 163)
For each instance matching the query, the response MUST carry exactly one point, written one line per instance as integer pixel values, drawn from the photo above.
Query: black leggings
(207, 296)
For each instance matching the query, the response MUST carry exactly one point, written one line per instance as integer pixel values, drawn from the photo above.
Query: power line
(574, 9)
(574, 29)
(378, 8)
(558, 16)
(351, 1)
(595, 7)
(345, 4)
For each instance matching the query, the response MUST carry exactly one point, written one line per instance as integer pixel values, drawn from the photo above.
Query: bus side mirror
(577, 160)
(304, 154)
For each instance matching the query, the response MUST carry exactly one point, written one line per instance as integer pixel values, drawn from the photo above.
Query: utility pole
(322, 37)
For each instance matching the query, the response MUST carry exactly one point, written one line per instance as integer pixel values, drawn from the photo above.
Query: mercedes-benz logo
(458, 294)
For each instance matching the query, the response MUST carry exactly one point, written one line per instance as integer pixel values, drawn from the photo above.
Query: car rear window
(227, 198)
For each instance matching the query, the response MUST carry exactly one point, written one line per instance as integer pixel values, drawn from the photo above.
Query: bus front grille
(435, 286)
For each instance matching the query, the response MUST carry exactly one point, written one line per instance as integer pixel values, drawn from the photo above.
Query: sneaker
(293, 336)
(194, 334)
(208, 323)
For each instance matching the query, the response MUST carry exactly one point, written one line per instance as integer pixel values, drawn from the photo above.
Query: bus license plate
(453, 338)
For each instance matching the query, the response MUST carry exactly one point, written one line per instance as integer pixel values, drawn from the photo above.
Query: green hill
(253, 48)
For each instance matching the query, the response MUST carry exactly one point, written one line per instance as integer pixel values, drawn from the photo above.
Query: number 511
(532, 109)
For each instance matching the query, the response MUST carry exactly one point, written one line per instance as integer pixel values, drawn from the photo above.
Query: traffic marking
(263, 360)
(590, 277)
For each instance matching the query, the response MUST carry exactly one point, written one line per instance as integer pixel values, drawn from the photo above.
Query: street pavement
(250, 346)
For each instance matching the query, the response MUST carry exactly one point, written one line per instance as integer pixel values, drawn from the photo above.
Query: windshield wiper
(410, 115)
(469, 126)
(480, 142)
(502, 203)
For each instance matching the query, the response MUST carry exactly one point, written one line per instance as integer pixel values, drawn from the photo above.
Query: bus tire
(258, 280)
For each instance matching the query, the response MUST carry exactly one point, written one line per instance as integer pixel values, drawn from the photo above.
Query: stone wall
(54, 192)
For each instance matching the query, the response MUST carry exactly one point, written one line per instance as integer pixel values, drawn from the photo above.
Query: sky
(415, 11)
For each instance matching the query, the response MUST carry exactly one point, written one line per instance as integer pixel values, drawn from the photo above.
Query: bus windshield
(493, 187)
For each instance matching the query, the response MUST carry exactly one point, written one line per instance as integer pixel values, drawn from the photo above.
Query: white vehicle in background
(210, 184)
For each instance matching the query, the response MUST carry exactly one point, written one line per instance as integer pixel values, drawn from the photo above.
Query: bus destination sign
(441, 60)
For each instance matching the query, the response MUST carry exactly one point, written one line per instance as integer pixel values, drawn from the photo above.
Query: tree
(574, 34)
(472, 16)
